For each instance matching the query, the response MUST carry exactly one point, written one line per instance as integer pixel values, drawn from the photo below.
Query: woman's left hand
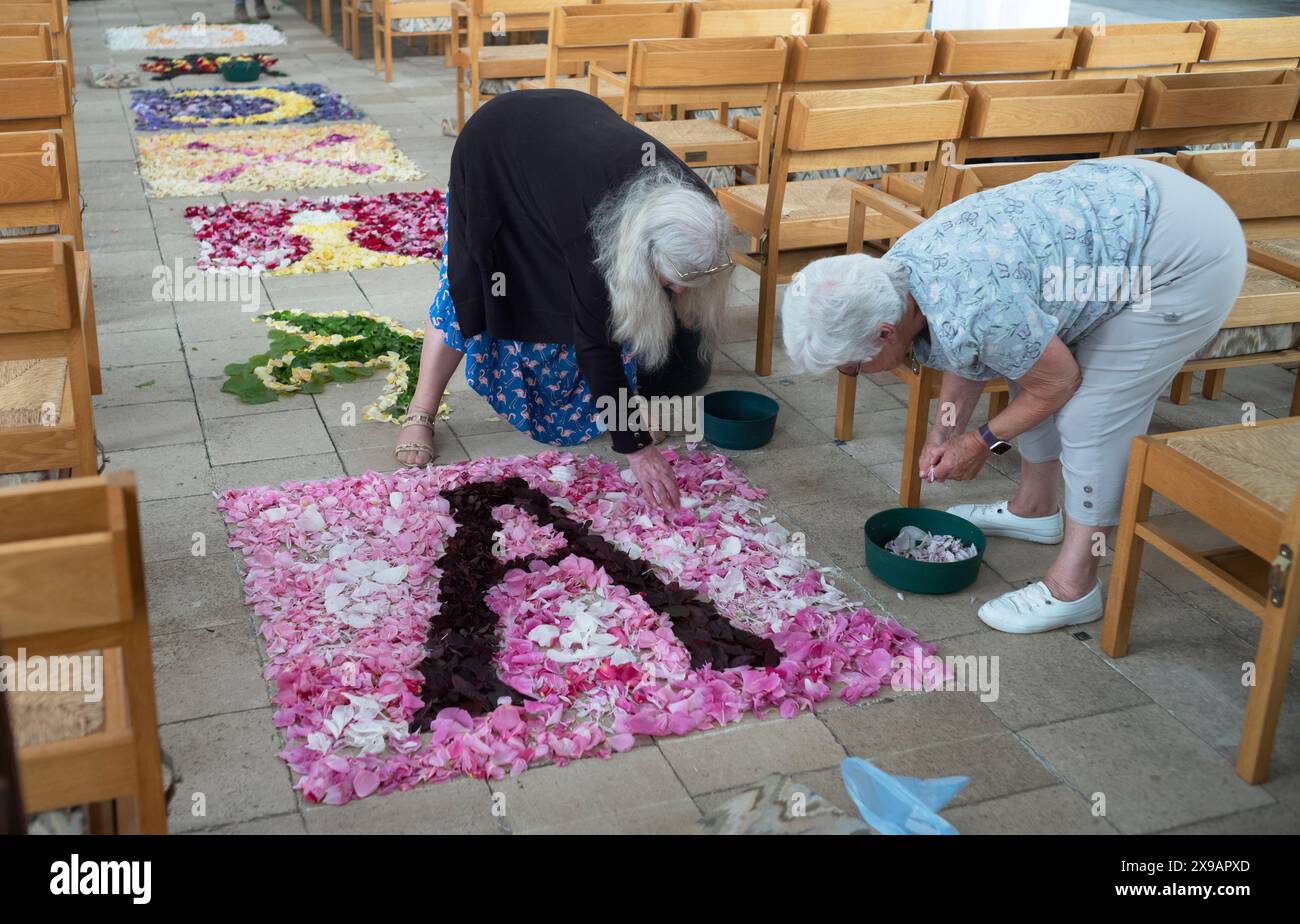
(960, 459)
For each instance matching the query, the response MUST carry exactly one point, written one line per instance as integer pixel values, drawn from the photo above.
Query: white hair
(834, 307)
(653, 227)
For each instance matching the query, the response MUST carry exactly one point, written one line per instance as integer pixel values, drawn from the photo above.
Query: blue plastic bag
(899, 804)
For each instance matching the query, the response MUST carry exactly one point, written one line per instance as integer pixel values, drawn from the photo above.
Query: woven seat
(1263, 460)
(607, 91)
(43, 717)
(31, 392)
(813, 212)
(1258, 338)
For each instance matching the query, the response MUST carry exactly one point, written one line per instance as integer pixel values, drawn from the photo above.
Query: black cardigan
(527, 172)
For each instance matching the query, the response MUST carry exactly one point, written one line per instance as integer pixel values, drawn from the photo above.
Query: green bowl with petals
(922, 577)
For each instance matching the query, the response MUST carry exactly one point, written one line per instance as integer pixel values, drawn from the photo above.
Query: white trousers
(1196, 255)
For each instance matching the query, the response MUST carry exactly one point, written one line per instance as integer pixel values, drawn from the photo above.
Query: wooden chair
(860, 16)
(326, 19)
(1137, 49)
(385, 15)
(736, 18)
(86, 529)
(51, 13)
(795, 222)
(1005, 54)
(1263, 190)
(34, 96)
(847, 62)
(47, 421)
(1240, 480)
(580, 36)
(701, 74)
(475, 61)
(1235, 106)
(32, 198)
(1242, 44)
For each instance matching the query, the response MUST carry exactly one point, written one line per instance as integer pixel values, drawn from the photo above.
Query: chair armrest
(596, 74)
(866, 197)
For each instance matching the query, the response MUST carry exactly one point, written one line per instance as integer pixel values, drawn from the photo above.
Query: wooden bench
(1137, 49)
(46, 422)
(87, 529)
(795, 222)
(580, 36)
(1241, 481)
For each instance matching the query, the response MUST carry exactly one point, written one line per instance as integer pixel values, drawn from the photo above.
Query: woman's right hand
(930, 456)
(655, 476)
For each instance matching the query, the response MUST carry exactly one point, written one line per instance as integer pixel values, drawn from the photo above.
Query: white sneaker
(1034, 609)
(998, 520)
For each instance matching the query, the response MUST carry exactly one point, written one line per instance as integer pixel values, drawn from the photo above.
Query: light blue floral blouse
(999, 273)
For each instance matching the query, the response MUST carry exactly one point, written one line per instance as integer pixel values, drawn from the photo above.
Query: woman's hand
(655, 476)
(959, 459)
(930, 457)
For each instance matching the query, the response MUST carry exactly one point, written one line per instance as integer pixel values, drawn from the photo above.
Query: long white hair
(833, 309)
(653, 227)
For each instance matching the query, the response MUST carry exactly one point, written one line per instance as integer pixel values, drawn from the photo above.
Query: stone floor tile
(257, 438)
(725, 758)
(205, 672)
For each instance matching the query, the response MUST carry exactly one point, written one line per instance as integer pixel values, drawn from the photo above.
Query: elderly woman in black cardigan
(574, 243)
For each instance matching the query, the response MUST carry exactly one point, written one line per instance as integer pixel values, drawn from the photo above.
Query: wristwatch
(995, 445)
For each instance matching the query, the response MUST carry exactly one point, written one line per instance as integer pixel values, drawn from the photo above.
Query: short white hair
(660, 224)
(833, 309)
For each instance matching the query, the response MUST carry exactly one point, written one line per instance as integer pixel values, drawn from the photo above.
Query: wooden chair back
(1211, 108)
(1005, 54)
(1137, 49)
(34, 95)
(829, 62)
(736, 18)
(1242, 44)
(71, 581)
(583, 35)
(1043, 117)
(859, 16)
(963, 180)
(35, 186)
(29, 41)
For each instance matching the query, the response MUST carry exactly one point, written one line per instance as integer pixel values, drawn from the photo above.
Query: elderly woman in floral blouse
(1087, 288)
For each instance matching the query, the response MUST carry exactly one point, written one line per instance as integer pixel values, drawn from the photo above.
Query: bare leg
(1038, 486)
(1074, 573)
(438, 363)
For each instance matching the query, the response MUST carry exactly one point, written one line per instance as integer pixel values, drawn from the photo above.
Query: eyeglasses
(698, 274)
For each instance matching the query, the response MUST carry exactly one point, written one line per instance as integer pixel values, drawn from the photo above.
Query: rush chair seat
(88, 528)
(1263, 190)
(46, 421)
(37, 195)
(1241, 481)
(687, 75)
(1137, 49)
(1234, 106)
(580, 36)
(1244, 44)
(840, 17)
(795, 222)
(407, 18)
(476, 62)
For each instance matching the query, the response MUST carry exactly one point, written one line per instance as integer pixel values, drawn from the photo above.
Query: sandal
(421, 419)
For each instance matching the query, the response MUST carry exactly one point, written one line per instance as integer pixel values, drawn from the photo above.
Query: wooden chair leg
(345, 25)
(998, 401)
(460, 99)
(326, 20)
(375, 39)
(1180, 392)
(1212, 386)
(919, 389)
(766, 317)
(1273, 658)
(91, 334)
(1127, 567)
(308, 13)
(1295, 396)
(845, 399)
(388, 56)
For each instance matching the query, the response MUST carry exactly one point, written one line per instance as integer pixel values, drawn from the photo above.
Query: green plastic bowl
(241, 70)
(739, 419)
(922, 577)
